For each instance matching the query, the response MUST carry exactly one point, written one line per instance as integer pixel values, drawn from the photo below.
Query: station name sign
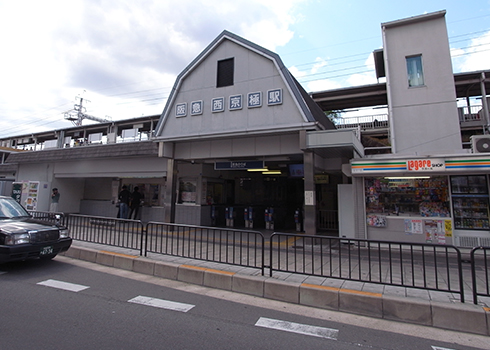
(239, 165)
(273, 97)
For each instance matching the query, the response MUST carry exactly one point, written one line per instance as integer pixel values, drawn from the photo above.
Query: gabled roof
(306, 106)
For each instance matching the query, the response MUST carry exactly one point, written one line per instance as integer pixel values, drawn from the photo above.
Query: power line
(158, 95)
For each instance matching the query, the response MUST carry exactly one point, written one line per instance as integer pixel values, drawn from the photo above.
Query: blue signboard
(239, 165)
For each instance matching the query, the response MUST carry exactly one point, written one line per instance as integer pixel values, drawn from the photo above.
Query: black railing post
(473, 275)
(143, 238)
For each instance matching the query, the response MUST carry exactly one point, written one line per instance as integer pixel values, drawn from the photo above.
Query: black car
(23, 237)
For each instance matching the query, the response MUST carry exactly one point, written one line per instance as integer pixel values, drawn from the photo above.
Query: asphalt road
(71, 304)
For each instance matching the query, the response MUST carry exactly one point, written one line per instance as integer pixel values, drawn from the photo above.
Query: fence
(222, 245)
(423, 266)
(480, 264)
(363, 122)
(327, 220)
(48, 216)
(109, 231)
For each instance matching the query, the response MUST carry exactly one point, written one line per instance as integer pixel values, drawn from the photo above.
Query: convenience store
(442, 200)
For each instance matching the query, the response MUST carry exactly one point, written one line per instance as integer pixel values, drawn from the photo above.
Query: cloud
(474, 57)
(367, 77)
(322, 84)
(116, 50)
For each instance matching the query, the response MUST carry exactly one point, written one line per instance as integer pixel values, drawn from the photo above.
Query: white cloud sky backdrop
(124, 56)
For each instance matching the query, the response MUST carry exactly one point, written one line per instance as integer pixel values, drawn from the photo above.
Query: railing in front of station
(480, 270)
(327, 219)
(412, 265)
(108, 231)
(221, 245)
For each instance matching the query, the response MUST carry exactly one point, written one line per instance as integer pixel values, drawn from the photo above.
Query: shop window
(415, 71)
(425, 197)
(187, 192)
(470, 202)
(226, 70)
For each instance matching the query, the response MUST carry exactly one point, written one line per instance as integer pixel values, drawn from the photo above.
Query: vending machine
(36, 195)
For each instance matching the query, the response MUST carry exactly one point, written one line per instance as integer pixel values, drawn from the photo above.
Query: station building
(240, 143)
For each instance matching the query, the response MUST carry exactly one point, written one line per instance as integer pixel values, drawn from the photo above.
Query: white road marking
(72, 287)
(439, 348)
(299, 328)
(160, 303)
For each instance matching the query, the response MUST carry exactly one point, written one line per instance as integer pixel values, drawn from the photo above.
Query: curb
(462, 317)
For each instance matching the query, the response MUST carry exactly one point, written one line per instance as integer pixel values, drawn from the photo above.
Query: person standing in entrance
(124, 197)
(55, 199)
(136, 198)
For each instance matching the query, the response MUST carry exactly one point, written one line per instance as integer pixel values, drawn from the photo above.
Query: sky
(122, 56)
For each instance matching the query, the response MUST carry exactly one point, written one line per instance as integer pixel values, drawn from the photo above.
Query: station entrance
(270, 198)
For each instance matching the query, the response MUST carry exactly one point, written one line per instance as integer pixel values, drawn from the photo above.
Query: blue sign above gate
(239, 165)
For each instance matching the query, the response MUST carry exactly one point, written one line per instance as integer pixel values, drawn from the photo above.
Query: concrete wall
(239, 147)
(423, 119)
(115, 167)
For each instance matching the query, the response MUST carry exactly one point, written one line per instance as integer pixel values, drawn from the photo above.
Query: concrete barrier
(280, 290)
(144, 265)
(190, 274)
(218, 279)
(252, 285)
(166, 270)
(361, 303)
(105, 258)
(460, 317)
(407, 310)
(319, 296)
(457, 316)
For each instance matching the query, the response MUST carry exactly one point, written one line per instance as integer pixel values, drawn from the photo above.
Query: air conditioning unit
(480, 143)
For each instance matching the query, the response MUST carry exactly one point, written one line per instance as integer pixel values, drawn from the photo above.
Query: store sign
(426, 165)
(239, 165)
(398, 166)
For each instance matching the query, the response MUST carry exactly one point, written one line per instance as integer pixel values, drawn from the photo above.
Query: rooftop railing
(375, 121)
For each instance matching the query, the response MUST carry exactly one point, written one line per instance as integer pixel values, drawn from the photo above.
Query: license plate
(46, 250)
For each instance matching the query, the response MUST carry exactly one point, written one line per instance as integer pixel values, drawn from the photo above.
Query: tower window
(415, 71)
(226, 70)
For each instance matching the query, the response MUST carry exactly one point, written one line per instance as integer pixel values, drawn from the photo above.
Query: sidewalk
(417, 306)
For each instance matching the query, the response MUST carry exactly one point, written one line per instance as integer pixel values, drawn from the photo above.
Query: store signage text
(425, 164)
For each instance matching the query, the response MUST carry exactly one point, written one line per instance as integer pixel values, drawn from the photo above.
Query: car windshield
(9, 208)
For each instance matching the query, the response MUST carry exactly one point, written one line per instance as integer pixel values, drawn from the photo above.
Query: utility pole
(77, 114)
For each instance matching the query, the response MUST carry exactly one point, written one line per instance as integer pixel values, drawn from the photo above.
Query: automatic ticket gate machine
(269, 218)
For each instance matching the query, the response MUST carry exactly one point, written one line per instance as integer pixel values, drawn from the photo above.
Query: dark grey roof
(8, 168)
(466, 85)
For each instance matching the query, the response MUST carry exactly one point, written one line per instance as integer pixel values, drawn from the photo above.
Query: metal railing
(327, 219)
(480, 271)
(470, 114)
(422, 266)
(222, 245)
(48, 216)
(109, 231)
(364, 122)
(413, 265)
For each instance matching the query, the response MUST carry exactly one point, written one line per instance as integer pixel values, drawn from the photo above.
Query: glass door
(470, 202)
